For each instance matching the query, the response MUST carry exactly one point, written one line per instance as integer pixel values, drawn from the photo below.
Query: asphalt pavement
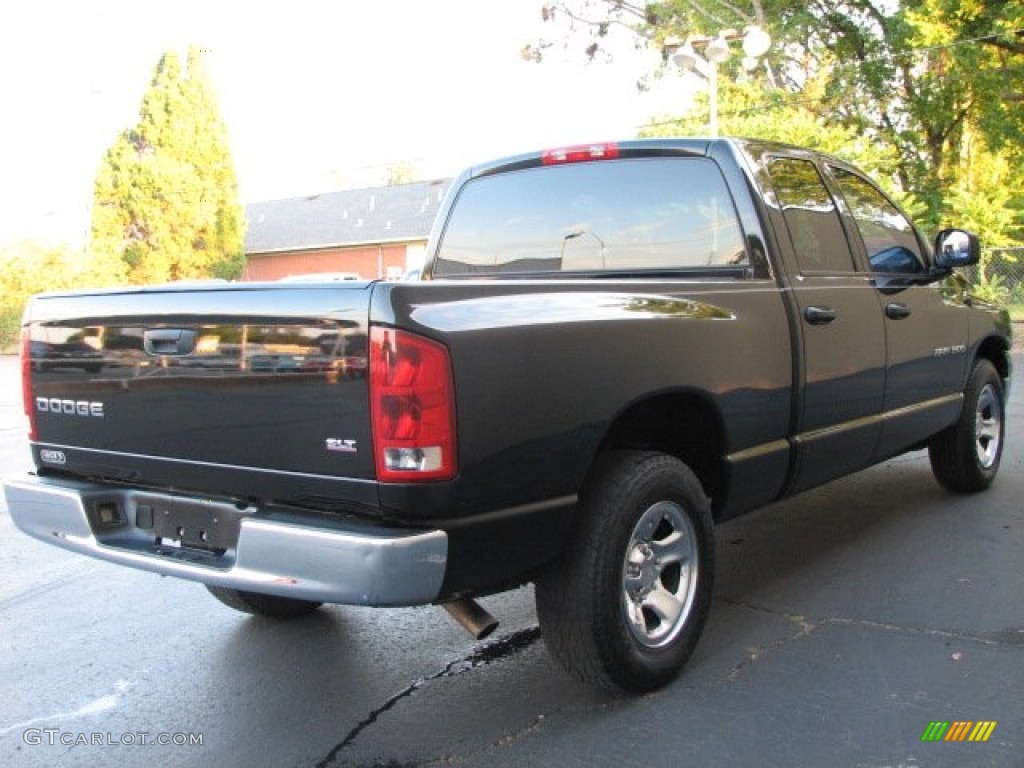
(845, 622)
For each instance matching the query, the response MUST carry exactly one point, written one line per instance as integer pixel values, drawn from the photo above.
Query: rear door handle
(819, 315)
(896, 311)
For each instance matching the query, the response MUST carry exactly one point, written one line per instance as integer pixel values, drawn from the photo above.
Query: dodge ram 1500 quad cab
(612, 348)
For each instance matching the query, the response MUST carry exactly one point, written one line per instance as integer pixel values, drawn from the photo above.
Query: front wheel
(965, 456)
(260, 604)
(625, 603)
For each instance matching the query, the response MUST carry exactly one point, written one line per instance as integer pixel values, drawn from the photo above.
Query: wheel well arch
(683, 424)
(995, 350)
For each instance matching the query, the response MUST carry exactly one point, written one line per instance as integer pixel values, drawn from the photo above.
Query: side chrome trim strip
(766, 449)
(867, 421)
(758, 451)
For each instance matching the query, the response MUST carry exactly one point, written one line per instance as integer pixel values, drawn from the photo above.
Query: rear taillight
(412, 407)
(26, 383)
(580, 153)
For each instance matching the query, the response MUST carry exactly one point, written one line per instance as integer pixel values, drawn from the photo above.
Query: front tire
(965, 456)
(624, 605)
(257, 603)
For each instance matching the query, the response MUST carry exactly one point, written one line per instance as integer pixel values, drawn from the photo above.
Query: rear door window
(811, 217)
(622, 215)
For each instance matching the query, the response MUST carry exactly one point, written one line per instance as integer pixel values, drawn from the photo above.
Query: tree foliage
(400, 173)
(166, 196)
(27, 268)
(930, 89)
(753, 113)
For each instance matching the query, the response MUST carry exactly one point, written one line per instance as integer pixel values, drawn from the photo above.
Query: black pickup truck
(613, 348)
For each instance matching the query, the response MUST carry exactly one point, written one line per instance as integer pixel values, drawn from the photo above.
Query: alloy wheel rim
(988, 423)
(659, 574)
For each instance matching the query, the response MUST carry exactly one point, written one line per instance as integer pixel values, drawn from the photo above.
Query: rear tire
(965, 456)
(257, 603)
(625, 603)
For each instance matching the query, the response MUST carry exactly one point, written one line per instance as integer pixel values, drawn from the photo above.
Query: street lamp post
(756, 43)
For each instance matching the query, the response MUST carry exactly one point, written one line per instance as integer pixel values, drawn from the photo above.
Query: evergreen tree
(166, 196)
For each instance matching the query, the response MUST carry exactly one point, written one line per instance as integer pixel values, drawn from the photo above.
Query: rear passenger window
(623, 215)
(811, 217)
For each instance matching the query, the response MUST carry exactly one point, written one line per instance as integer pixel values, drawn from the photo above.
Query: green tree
(166, 195)
(982, 201)
(932, 79)
(29, 267)
(752, 112)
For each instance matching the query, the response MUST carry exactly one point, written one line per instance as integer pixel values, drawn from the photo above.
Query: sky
(317, 95)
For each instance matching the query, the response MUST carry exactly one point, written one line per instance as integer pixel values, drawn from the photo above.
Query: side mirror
(956, 248)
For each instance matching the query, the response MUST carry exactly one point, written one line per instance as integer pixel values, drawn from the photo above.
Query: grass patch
(1016, 312)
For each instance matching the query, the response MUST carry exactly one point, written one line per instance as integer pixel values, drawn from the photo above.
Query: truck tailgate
(206, 387)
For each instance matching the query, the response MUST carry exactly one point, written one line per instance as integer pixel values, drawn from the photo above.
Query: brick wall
(369, 262)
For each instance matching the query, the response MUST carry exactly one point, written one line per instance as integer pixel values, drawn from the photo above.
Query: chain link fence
(1002, 268)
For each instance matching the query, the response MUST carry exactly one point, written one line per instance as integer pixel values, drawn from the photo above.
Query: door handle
(896, 311)
(168, 341)
(819, 315)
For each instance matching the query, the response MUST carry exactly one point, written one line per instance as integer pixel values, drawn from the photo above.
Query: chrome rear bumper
(278, 552)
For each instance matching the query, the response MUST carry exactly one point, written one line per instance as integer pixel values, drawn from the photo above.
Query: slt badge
(340, 445)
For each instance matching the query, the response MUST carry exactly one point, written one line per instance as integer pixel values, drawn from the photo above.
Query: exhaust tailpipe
(473, 617)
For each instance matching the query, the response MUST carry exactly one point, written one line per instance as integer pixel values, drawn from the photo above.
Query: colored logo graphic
(959, 730)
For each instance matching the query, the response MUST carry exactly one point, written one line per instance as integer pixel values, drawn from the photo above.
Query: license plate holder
(196, 525)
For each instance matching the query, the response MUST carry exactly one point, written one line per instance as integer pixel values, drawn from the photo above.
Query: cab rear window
(622, 215)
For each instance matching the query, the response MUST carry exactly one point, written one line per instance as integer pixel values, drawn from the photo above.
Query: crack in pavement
(505, 741)
(482, 655)
(509, 645)
(1009, 638)
(755, 654)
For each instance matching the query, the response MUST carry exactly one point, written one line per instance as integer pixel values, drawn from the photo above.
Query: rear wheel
(259, 604)
(965, 457)
(625, 604)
